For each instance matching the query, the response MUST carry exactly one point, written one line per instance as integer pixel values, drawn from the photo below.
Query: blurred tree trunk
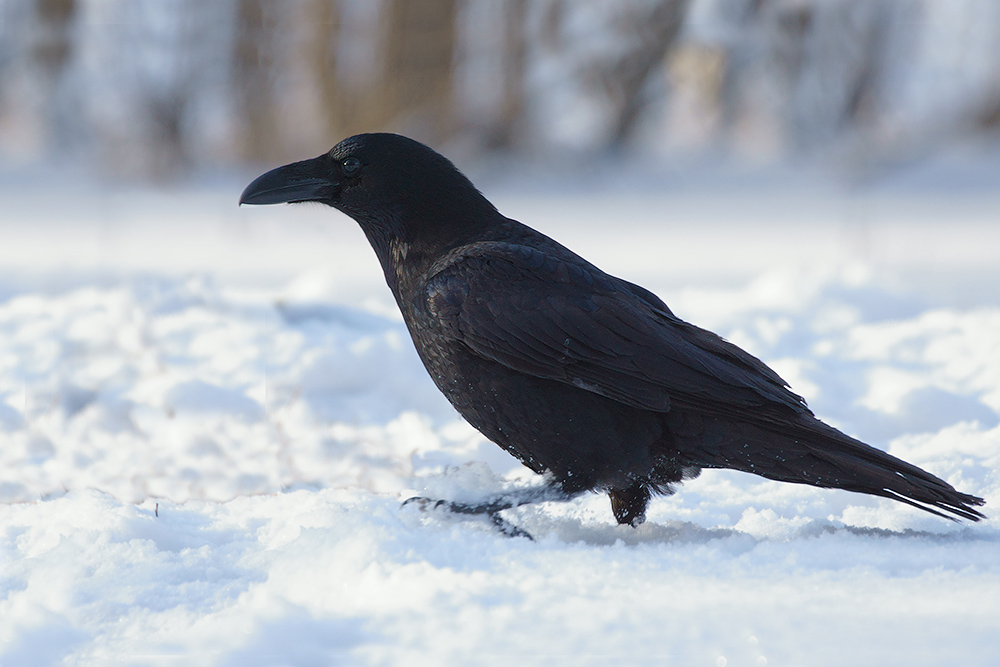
(625, 79)
(347, 106)
(53, 46)
(322, 57)
(420, 40)
(988, 116)
(51, 52)
(254, 72)
(649, 35)
(515, 65)
(412, 87)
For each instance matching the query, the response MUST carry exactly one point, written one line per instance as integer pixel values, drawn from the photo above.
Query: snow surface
(209, 417)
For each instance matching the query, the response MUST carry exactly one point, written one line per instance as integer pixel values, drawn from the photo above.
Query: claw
(509, 529)
(424, 502)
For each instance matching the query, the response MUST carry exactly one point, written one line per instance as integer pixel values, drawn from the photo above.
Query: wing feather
(562, 319)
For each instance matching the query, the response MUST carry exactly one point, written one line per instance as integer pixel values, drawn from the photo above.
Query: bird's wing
(562, 319)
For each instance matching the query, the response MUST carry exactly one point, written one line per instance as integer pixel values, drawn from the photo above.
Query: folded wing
(565, 320)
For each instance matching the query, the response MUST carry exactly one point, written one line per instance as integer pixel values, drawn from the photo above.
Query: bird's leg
(505, 501)
(493, 506)
(629, 505)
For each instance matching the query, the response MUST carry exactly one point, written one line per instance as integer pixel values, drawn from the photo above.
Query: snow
(209, 417)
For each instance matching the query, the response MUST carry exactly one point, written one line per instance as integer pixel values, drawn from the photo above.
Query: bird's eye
(351, 166)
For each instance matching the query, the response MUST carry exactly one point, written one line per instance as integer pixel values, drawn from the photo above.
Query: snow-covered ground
(209, 417)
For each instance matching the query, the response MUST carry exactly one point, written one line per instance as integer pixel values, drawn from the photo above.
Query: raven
(584, 377)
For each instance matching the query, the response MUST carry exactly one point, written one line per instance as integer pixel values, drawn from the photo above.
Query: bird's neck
(407, 247)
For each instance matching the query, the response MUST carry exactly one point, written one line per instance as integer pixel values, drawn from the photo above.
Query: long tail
(808, 451)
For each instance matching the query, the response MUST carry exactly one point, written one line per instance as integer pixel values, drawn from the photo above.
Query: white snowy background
(209, 418)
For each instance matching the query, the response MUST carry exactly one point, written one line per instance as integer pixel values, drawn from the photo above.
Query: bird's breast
(548, 425)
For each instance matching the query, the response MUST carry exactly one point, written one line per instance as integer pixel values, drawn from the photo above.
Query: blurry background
(154, 88)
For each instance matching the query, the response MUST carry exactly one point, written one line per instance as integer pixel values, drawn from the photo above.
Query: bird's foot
(493, 506)
(490, 509)
(507, 528)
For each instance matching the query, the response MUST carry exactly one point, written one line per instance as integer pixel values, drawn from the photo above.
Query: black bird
(582, 376)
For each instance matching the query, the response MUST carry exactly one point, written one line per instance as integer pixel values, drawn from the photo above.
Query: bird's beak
(309, 180)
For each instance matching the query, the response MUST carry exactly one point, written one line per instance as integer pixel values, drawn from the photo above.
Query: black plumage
(579, 374)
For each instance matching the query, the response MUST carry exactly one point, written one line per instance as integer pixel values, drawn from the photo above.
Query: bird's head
(399, 191)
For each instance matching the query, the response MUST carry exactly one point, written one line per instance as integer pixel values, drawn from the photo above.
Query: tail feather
(870, 470)
(811, 452)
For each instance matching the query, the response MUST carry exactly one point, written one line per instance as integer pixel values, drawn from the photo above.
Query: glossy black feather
(537, 313)
(579, 374)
